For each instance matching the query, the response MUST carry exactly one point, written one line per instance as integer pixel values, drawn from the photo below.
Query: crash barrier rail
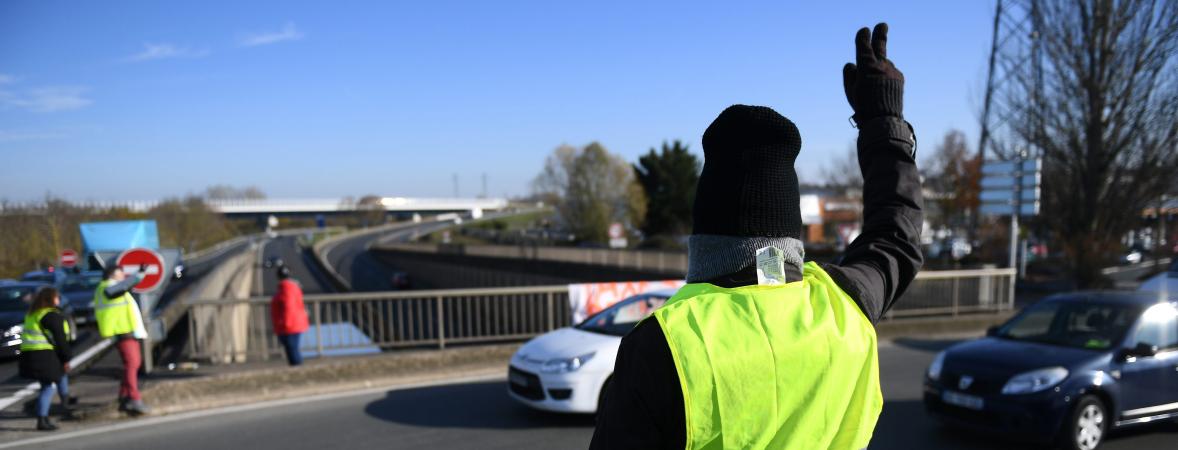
(371, 321)
(642, 260)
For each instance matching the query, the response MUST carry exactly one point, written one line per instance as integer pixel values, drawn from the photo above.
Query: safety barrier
(370, 321)
(642, 260)
(367, 322)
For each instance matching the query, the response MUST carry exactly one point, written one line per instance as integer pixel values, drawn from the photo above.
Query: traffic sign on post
(69, 258)
(152, 263)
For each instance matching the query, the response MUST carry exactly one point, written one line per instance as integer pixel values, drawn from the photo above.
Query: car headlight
(15, 330)
(1035, 380)
(934, 369)
(563, 365)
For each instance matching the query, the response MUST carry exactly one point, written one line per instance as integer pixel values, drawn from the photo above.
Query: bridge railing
(368, 322)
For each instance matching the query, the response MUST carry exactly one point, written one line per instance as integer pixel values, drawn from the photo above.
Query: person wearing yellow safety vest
(119, 319)
(762, 349)
(45, 352)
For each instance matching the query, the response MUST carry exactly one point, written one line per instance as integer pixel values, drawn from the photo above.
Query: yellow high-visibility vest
(33, 337)
(791, 366)
(115, 316)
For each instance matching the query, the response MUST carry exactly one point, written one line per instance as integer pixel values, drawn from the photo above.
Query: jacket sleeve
(278, 306)
(123, 287)
(54, 323)
(642, 404)
(880, 264)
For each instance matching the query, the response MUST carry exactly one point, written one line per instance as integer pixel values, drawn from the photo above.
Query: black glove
(873, 85)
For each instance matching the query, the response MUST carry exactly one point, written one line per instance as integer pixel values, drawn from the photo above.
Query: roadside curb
(316, 378)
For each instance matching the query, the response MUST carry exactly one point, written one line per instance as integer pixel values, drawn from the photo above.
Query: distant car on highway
(77, 291)
(566, 370)
(1067, 370)
(14, 304)
(42, 276)
(1166, 282)
(400, 281)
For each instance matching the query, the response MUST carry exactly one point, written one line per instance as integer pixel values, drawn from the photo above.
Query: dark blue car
(1065, 370)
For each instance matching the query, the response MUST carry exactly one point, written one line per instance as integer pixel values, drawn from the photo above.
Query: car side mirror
(992, 331)
(1143, 349)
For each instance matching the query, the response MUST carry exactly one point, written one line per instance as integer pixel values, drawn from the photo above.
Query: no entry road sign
(132, 259)
(69, 258)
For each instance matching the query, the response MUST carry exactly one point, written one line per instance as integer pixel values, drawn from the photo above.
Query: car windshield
(1076, 324)
(15, 298)
(619, 319)
(81, 283)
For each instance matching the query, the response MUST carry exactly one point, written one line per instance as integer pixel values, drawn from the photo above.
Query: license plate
(516, 378)
(963, 400)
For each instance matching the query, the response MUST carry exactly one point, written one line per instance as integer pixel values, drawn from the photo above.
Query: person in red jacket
(289, 315)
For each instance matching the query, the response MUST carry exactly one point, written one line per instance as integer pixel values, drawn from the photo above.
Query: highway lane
(300, 263)
(479, 415)
(351, 259)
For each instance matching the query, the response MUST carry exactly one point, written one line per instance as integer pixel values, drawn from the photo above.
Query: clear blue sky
(140, 100)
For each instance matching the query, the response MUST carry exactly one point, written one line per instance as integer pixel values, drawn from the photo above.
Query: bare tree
(591, 188)
(1106, 119)
(843, 172)
(954, 176)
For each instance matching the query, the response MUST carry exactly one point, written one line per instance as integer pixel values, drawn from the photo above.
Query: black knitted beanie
(748, 187)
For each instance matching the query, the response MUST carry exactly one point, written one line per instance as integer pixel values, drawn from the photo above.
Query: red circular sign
(69, 258)
(153, 264)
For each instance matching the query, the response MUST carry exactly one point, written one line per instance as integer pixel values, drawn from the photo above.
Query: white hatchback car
(566, 370)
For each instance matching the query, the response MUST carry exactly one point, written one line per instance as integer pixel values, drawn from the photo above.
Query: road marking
(33, 388)
(139, 423)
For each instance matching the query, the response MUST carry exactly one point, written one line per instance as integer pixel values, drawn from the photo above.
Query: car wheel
(1086, 426)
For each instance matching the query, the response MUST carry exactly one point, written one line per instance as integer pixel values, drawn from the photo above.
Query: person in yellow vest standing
(45, 353)
(119, 318)
(761, 349)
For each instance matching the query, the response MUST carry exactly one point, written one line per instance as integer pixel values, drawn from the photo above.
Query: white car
(566, 370)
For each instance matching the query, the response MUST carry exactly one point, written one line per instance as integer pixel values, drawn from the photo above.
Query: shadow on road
(926, 345)
(474, 405)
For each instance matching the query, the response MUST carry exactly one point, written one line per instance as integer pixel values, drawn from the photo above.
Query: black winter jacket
(47, 365)
(642, 405)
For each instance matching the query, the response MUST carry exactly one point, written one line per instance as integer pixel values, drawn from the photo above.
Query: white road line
(76, 361)
(243, 408)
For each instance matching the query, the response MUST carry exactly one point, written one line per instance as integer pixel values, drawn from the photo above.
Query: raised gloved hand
(874, 86)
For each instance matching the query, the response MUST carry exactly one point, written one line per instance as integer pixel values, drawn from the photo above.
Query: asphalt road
(351, 259)
(479, 415)
(300, 263)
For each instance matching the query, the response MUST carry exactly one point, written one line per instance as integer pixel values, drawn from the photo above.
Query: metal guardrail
(373, 321)
(386, 320)
(641, 260)
(953, 292)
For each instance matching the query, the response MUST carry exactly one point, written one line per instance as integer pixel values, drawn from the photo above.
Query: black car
(40, 276)
(77, 292)
(14, 304)
(1066, 370)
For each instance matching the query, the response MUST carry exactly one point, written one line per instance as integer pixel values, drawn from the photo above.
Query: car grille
(532, 391)
(981, 385)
